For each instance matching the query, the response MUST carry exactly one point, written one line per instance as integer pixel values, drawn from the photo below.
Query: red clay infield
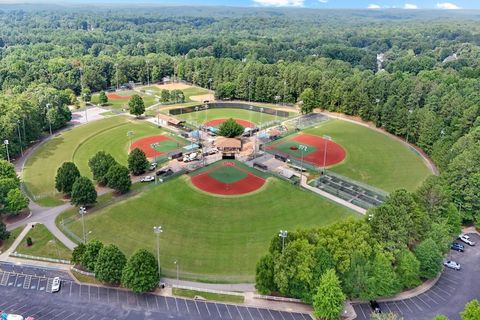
(335, 153)
(208, 184)
(217, 122)
(145, 145)
(114, 96)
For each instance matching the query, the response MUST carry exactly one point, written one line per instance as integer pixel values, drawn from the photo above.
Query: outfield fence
(229, 105)
(30, 257)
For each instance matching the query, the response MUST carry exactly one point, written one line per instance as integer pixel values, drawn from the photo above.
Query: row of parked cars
(161, 174)
(447, 263)
(460, 248)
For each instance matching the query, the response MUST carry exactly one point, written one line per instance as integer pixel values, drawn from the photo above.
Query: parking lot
(448, 296)
(28, 292)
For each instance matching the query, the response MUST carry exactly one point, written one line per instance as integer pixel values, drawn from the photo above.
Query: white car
(452, 265)
(56, 284)
(153, 166)
(148, 179)
(466, 239)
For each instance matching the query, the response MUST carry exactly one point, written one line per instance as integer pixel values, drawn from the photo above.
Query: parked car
(457, 247)
(452, 265)
(465, 238)
(164, 172)
(375, 306)
(148, 179)
(56, 284)
(153, 166)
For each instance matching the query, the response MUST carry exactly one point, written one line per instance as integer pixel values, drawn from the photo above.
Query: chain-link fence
(306, 121)
(232, 105)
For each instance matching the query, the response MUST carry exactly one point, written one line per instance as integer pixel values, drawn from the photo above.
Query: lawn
(225, 113)
(212, 238)
(374, 158)
(44, 245)
(208, 295)
(79, 145)
(4, 245)
(120, 104)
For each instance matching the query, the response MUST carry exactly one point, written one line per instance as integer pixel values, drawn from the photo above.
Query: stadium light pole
(303, 148)
(284, 91)
(148, 72)
(83, 212)
(48, 106)
(158, 230)
(116, 73)
(19, 137)
(249, 88)
(130, 135)
(277, 99)
(261, 116)
(210, 84)
(410, 111)
(176, 265)
(283, 234)
(326, 138)
(5, 142)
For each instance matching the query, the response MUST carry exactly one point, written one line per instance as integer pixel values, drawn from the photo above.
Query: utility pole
(326, 138)
(176, 264)
(19, 137)
(303, 148)
(158, 230)
(49, 121)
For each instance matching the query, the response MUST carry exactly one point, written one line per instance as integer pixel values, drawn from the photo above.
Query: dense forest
(426, 89)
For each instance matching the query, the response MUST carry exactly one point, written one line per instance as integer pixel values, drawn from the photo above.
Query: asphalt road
(453, 290)
(27, 291)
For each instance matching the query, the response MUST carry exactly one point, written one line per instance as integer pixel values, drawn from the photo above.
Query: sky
(328, 4)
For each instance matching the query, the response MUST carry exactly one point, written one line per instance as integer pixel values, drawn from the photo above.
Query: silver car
(452, 265)
(466, 239)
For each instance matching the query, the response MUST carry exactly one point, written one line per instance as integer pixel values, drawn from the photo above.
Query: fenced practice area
(349, 190)
(306, 121)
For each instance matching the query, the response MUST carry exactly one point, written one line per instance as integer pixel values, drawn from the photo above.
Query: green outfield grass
(212, 114)
(212, 238)
(120, 104)
(286, 148)
(227, 174)
(374, 158)
(79, 145)
(44, 245)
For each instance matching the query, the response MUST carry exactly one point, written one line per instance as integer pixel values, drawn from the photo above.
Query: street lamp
(158, 230)
(19, 137)
(326, 138)
(49, 121)
(410, 111)
(116, 73)
(5, 142)
(210, 84)
(283, 234)
(83, 212)
(249, 85)
(176, 265)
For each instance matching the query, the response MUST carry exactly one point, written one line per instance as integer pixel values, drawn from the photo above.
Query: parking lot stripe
(249, 313)
(271, 315)
(418, 307)
(260, 314)
(207, 309)
(238, 310)
(228, 311)
(176, 303)
(166, 302)
(186, 305)
(442, 298)
(59, 314)
(406, 305)
(216, 306)
(196, 305)
(419, 298)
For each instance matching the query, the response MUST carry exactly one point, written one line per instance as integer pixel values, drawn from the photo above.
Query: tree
(66, 176)
(136, 105)
(440, 317)
(293, 270)
(309, 101)
(329, 299)
(118, 178)
(6, 185)
(7, 170)
(141, 272)
(110, 264)
(383, 280)
(230, 129)
(165, 96)
(264, 281)
(99, 165)
(4, 234)
(16, 201)
(86, 94)
(90, 255)
(77, 253)
(408, 269)
(83, 192)
(322, 262)
(430, 258)
(137, 161)
(471, 311)
(102, 98)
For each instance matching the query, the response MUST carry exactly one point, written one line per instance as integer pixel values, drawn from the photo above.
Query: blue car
(457, 247)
